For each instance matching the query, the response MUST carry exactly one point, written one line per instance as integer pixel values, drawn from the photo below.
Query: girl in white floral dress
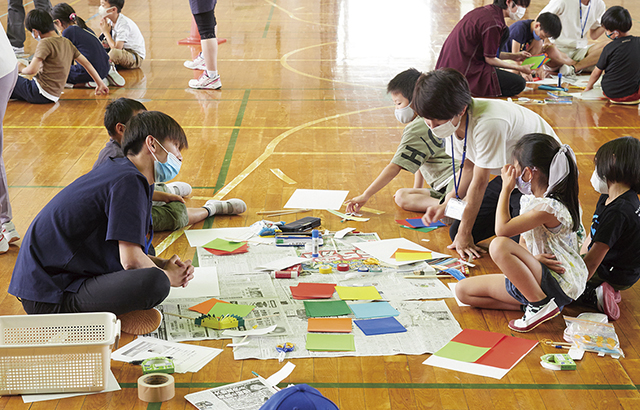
(549, 224)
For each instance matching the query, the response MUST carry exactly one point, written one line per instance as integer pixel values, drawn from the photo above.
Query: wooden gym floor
(304, 91)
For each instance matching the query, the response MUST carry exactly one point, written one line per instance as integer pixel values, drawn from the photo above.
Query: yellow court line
(278, 172)
(285, 64)
(169, 240)
(290, 14)
(272, 146)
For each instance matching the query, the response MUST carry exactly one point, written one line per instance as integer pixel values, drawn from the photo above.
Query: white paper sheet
(342, 233)
(250, 332)
(316, 199)
(200, 237)
(591, 95)
(452, 286)
(112, 385)
(281, 374)
(383, 250)
(204, 283)
(282, 263)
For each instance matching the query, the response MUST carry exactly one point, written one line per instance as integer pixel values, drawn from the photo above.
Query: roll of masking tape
(156, 387)
(325, 269)
(343, 267)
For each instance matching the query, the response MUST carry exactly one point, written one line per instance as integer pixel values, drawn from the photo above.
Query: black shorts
(549, 286)
(206, 23)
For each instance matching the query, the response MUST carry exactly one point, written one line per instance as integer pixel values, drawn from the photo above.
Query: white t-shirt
(126, 30)
(8, 61)
(569, 13)
(495, 126)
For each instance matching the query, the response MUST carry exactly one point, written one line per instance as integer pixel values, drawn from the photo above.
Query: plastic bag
(593, 336)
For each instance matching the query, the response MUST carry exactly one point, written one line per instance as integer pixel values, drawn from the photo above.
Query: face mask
(163, 172)
(610, 36)
(444, 130)
(518, 14)
(599, 184)
(37, 38)
(102, 12)
(535, 36)
(404, 115)
(523, 187)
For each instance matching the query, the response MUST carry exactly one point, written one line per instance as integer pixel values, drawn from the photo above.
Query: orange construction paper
(206, 306)
(330, 324)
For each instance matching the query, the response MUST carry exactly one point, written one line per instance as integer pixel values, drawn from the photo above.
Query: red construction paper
(206, 306)
(479, 338)
(243, 249)
(405, 223)
(306, 290)
(507, 352)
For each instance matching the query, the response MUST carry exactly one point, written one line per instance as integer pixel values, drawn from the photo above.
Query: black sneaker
(589, 297)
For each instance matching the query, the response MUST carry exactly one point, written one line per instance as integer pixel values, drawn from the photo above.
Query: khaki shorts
(125, 58)
(576, 54)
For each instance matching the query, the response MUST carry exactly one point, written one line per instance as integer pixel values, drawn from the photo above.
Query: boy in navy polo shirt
(530, 35)
(86, 251)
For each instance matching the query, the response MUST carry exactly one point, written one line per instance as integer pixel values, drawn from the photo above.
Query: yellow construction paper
(413, 256)
(358, 292)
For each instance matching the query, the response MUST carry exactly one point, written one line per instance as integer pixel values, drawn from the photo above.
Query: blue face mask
(535, 36)
(166, 171)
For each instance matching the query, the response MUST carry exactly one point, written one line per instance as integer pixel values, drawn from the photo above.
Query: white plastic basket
(60, 353)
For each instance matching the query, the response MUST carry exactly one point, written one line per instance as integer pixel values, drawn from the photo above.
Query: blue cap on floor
(299, 397)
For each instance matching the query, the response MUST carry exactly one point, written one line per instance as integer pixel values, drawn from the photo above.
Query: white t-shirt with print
(127, 30)
(569, 13)
(495, 126)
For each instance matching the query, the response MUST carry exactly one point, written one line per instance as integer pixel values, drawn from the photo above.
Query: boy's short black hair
(617, 18)
(404, 83)
(550, 24)
(155, 123)
(617, 161)
(120, 111)
(441, 94)
(118, 4)
(503, 3)
(39, 20)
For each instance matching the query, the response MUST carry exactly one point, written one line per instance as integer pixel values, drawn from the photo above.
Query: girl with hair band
(204, 15)
(549, 223)
(74, 28)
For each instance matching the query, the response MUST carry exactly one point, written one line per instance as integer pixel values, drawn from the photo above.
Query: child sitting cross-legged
(549, 223)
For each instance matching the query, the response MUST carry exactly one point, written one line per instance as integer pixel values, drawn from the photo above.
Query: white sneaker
(196, 64)
(92, 84)
(534, 316)
(206, 82)
(229, 207)
(4, 244)
(179, 188)
(114, 77)
(9, 231)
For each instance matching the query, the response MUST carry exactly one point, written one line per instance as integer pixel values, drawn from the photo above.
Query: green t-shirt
(420, 150)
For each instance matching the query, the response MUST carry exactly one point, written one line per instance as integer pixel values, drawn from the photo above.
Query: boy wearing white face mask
(613, 249)
(419, 153)
(122, 36)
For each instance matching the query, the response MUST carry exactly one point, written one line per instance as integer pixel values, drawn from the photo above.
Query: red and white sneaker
(9, 231)
(205, 82)
(196, 64)
(534, 316)
(4, 244)
(608, 299)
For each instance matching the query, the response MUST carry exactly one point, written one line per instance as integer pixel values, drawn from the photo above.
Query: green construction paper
(535, 61)
(328, 342)
(462, 352)
(358, 292)
(326, 308)
(223, 245)
(419, 229)
(221, 309)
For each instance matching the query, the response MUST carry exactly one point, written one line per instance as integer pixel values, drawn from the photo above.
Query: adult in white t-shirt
(8, 77)
(580, 22)
(490, 128)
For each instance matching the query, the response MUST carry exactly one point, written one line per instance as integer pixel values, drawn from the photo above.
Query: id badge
(582, 43)
(455, 208)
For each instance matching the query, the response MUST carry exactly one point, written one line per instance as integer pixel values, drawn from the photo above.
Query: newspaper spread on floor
(245, 395)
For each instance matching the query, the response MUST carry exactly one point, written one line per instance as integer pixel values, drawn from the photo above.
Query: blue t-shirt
(89, 46)
(76, 234)
(519, 31)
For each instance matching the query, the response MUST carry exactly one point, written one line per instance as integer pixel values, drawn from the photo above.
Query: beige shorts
(576, 54)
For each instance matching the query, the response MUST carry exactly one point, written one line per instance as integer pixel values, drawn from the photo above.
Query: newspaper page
(430, 325)
(243, 263)
(245, 395)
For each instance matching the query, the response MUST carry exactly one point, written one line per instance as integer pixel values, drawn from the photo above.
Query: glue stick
(315, 240)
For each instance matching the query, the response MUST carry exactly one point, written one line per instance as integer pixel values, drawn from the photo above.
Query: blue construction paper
(417, 223)
(373, 309)
(382, 326)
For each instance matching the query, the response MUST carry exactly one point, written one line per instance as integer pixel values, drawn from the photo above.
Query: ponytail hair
(549, 157)
(67, 15)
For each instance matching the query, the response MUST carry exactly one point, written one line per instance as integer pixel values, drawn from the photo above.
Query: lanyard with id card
(583, 42)
(455, 206)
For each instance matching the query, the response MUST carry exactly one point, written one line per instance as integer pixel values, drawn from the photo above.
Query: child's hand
(173, 198)
(508, 177)
(105, 27)
(525, 69)
(354, 205)
(433, 214)
(521, 56)
(550, 261)
(101, 88)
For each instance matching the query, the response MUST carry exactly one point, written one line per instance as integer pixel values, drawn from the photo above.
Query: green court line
(224, 169)
(154, 406)
(427, 386)
(266, 27)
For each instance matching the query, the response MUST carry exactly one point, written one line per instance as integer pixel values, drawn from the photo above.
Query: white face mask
(523, 186)
(404, 115)
(518, 14)
(102, 12)
(599, 184)
(444, 130)
(37, 38)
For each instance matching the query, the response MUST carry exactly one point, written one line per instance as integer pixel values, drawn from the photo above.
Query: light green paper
(326, 308)
(223, 245)
(221, 309)
(327, 342)
(462, 352)
(425, 229)
(358, 292)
